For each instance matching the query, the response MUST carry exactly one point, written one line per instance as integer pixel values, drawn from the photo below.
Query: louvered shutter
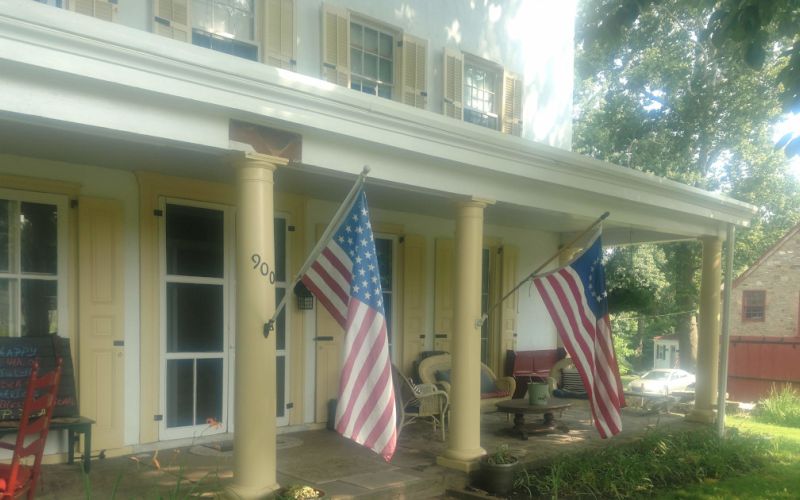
(101, 9)
(508, 309)
(512, 104)
(171, 19)
(414, 88)
(279, 34)
(453, 84)
(414, 299)
(444, 278)
(336, 45)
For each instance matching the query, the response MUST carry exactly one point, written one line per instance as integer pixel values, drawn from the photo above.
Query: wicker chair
(419, 401)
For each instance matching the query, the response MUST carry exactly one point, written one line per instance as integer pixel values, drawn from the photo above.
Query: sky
(790, 124)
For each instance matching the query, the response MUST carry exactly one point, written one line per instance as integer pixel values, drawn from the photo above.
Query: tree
(656, 92)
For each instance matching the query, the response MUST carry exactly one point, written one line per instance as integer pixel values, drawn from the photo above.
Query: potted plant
(498, 470)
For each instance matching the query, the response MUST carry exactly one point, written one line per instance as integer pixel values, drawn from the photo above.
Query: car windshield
(656, 376)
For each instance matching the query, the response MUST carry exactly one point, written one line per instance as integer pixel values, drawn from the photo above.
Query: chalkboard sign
(17, 355)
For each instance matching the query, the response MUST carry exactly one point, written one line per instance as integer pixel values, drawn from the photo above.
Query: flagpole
(544, 264)
(335, 221)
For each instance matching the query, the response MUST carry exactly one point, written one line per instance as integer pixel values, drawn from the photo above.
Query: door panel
(101, 318)
(443, 295)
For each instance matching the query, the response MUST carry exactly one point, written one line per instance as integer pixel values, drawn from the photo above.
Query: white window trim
(287, 311)
(396, 34)
(258, 7)
(62, 258)
(191, 431)
(489, 67)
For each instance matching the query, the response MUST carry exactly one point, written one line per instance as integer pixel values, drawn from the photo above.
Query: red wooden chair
(17, 479)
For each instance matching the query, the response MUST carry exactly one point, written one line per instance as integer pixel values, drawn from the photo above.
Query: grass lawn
(780, 479)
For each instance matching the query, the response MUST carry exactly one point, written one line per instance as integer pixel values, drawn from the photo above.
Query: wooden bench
(73, 426)
(527, 366)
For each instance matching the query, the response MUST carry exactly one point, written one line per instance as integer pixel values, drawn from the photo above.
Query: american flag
(576, 298)
(344, 278)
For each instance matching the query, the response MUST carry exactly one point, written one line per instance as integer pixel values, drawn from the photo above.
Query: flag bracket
(268, 327)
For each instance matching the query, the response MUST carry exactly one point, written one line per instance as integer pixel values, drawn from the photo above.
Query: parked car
(662, 381)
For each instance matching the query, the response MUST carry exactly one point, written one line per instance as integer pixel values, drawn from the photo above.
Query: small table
(521, 407)
(73, 426)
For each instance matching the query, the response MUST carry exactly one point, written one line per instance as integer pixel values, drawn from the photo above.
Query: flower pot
(298, 493)
(538, 393)
(498, 479)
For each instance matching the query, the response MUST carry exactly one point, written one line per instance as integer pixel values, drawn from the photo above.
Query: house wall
(779, 275)
(509, 33)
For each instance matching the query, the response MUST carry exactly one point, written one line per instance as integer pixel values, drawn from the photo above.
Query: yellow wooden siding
(101, 318)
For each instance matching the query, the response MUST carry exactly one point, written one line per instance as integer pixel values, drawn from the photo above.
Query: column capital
(474, 202)
(258, 160)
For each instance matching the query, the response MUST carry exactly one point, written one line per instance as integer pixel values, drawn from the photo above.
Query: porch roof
(123, 98)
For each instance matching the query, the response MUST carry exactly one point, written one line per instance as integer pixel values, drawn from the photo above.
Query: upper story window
(754, 304)
(101, 9)
(482, 92)
(32, 264)
(373, 58)
(227, 26)
(255, 30)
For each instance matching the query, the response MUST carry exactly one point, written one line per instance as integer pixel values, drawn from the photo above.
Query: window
(482, 92)
(754, 305)
(101, 9)
(232, 27)
(384, 249)
(486, 325)
(372, 58)
(32, 265)
(226, 26)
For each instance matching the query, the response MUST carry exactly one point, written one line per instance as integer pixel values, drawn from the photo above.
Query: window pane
(356, 35)
(356, 66)
(5, 235)
(371, 66)
(383, 252)
(209, 390)
(385, 91)
(194, 318)
(180, 392)
(387, 310)
(370, 40)
(195, 244)
(280, 249)
(38, 238)
(386, 46)
(386, 70)
(280, 321)
(280, 377)
(39, 307)
(7, 308)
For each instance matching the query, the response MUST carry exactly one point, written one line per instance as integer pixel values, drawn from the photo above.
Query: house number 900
(263, 268)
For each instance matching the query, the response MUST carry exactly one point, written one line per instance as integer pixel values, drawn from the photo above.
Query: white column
(464, 441)
(708, 332)
(254, 449)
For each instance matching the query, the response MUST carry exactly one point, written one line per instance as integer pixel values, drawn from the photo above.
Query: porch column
(708, 331)
(254, 459)
(464, 441)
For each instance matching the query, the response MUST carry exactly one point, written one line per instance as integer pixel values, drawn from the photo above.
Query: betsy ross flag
(344, 278)
(576, 298)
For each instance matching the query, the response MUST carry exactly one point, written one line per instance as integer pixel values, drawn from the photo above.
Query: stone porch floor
(339, 467)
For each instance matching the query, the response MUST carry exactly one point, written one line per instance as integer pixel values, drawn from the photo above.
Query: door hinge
(73, 203)
(158, 418)
(119, 343)
(289, 406)
(290, 228)
(158, 212)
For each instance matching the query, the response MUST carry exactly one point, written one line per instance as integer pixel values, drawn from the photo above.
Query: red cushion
(23, 476)
(495, 394)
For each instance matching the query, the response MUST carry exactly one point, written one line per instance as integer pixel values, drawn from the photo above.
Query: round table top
(523, 406)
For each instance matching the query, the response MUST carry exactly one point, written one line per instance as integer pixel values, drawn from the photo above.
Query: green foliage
(781, 407)
(661, 460)
(501, 456)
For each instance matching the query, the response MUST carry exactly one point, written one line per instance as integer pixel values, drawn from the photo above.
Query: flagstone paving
(324, 459)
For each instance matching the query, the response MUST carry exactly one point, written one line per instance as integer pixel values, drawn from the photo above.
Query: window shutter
(336, 45)
(508, 309)
(279, 34)
(172, 19)
(101, 9)
(512, 104)
(443, 295)
(414, 89)
(453, 84)
(414, 298)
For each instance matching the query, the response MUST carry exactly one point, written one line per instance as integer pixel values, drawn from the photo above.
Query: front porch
(336, 465)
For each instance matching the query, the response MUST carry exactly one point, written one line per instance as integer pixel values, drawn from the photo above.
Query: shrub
(661, 460)
(781, 407)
